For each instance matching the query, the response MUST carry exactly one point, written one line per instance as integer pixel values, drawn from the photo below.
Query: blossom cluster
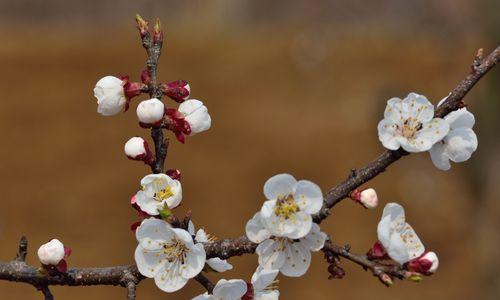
(409, 123)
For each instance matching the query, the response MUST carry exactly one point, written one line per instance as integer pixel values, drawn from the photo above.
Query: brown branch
(207, 284)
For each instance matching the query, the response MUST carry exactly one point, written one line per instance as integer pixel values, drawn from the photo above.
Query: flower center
(410, 127)
(163, 194)
(286, 207)
(175, 250)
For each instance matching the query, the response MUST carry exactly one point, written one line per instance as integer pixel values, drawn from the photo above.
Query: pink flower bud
(377, 252)
(51, 253)
(426, 264)
(174, 174)
(150, 112)
(178, 91)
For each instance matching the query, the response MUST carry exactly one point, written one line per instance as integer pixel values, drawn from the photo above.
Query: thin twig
(203, 280)
(46, 292)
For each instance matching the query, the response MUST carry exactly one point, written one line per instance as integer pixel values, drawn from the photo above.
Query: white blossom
(459, 144)
(368, 198)
(215, 263)
(264, 284)
(150, 111)
(409, 124)
(196, 115)
(290, 204)
(135, 147)
(169, 255)
(232, 289)
(110, 96)
(398, 237)
(158, 190)
(291, 257)
(51, 253)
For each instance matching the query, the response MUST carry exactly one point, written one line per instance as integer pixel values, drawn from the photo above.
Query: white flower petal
(279, 185)
(394, 110)
(205, 296)
(418, 107)
(315, 239)
(460, 143)
(388, 135)
(396, 249)
(152, 233)
(148, 262)
(191, 228)
(297, 226)
(201, 236)
(255, 229)
(460, 118)
(267, 295)
(232, 289)
(308, 196)
(413, 245)
(183, 236)
(426, 137)
(147, 203)
(196, 114)
(263, 278)
(219, 265)
(439, 157)
(167, 279)
(393, 219)
(270, 255)
(195, 261)
(297, 261)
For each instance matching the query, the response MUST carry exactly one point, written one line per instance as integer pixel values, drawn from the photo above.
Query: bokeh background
(292, 86)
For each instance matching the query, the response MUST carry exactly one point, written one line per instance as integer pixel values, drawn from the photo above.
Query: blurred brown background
(292, 86)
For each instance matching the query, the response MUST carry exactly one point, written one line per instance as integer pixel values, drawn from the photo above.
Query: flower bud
(51, 253)
(174, 174)
(426, 264)
(110, 96)
(368, 197)
(377, 251)
(196, 115)
(137, 148)
(150, 112)
(178, 91)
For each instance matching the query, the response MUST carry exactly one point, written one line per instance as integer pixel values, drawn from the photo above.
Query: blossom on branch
(401, 242)
(157, 191)
(459, 144)
(150, 112)
(53, 254)
(189, 119)
(136, 148)
(367, 197)
(290, 204)
(410, 124)
(232, 289)
(113, 94)
(263, 286)
(169, 255)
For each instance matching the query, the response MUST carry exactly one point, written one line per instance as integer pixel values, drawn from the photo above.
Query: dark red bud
(174, 174)
(336, 272)
(178, 90)
(67, 251)
(145, 76)
(377, 252)
(250, 293)
(62, 266)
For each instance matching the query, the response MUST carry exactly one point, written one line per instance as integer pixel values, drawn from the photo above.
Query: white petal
(148, 262)
(388, 135)
(152, 233)
(460, 143)
(147, 203)
(201, 236)
(270, 255)
(297, 261)
(191, 228)
(279, 185)
(267, 209)
(394, 110)
(315, 239)
(203, 297)
(396, 249)
(255, 230)
(393, 218)
(418, 107)
(184, 236)
(297, 226)
(460, 118)
(439, 158)
(263, 277)
(443, 100)
(168, 278)
(189, 106)
(308, 196)
(267, 295)
(232, 289)
(195, 261)
(219, 265)
(426, 137)
(413, 245)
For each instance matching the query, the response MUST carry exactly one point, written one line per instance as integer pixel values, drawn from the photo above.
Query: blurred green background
(292, 86)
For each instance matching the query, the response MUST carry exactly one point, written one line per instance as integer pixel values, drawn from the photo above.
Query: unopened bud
(150, 112)
(137, 148)
(377, 252)
(174, 174)
(426, 264)
(368, 197)
(178, 91)
(336, 272)
(385, 279)
(51, 253)
(141, 25)
(157, 32)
